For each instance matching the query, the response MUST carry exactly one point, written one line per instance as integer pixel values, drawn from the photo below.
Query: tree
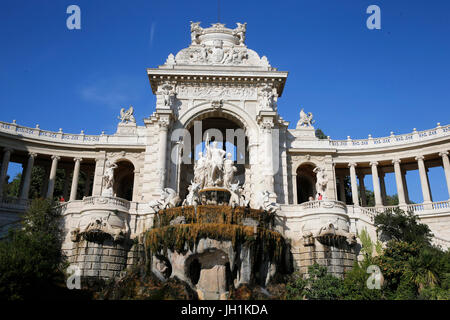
(395, 224)
(318, 285)
(31, 260)
(320, 134)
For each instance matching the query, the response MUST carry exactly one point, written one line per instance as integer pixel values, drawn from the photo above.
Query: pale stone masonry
(220, 83)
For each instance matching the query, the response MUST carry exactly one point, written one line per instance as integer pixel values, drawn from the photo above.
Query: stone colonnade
(48, 185)
(400, 178)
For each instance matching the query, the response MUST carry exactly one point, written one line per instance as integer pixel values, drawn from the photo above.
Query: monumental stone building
(217, 89)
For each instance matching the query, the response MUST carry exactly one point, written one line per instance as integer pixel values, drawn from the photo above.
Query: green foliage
(355, 284)
(320, 134)
(318, 285)
(31, 259)
(12, 188)
(395, 224)
(390, 200)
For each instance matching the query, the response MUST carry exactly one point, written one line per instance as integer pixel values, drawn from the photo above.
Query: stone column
(294, 189)
(376, 184)
(51, 180)
(383, 188)
(399, 182)
(355, 197)
(405, 186)
(341, 188)
(98, 175)
(75, 177)
(27, 177)
(4, 169)
(424, 180)
(136, 185)
(163, 124)
(362, 190)
(268, 170)
(446, 165)
(266, 120)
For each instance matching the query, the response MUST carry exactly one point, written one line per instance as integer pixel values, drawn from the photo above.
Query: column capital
(373, 163)
(443, 153)
(77, 159)
(394, 161)
(56, 157)
(420, 157)
(8, 149)
(352, 164)
(32, 154)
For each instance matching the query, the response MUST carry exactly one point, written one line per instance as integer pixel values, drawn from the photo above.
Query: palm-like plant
(423, 270)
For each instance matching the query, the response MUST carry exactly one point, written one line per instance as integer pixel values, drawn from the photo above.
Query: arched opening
(230, 135)
(124, 180)
(306, 181)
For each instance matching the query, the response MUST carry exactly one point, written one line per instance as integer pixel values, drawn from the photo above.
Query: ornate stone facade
(221, 84)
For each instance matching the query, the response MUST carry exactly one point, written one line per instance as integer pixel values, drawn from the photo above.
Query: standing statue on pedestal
(228, 172)
(108, 179)
(321, 184)
(200, 170)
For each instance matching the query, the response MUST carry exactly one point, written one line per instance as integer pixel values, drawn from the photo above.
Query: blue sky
(356, 81)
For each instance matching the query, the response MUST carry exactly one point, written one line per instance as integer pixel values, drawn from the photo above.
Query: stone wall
(338, 259)
(101, 260)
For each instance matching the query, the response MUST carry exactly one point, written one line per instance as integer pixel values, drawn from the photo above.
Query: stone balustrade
(393, 140)
(51, 136)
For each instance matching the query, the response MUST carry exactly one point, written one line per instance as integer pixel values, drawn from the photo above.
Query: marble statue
(321, 184)
(240, 32)
(305, 119)
(200, 170)
(196, 31)
(263, 202)
(127, 115)
(215, 158)
(237, 198)
(266, 98)
(108, 179)
(192, 199)
(229, 171)
(168, 92)
(169, 199)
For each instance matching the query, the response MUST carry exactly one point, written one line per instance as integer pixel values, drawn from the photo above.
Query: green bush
(31, 259)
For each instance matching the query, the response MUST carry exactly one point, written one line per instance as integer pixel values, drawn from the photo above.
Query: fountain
(214, 240)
